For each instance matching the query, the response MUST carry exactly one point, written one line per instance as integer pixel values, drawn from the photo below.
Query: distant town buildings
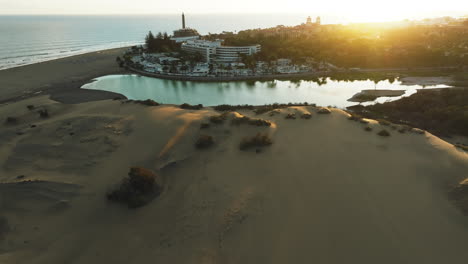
(310, 23)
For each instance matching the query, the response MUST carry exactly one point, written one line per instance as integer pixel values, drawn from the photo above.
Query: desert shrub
(147, 102)
(442, 112)
(218, 119)
(384, 122)
(462, 146)
(418, 131)
(30, 107)
(290, 116)
(267, 108)
(306, 116)
(404, 128)
(204, 141)
(354, 117)
(250, 121)
(259, 122)
(323, 110)
(191, 107)
(368, 128)
(138, 189)
(258, 109)
(204, 125)
(44, 113)
(383, 133)
(11, 120)
(240, 120)
(226, 107)
(258, 140)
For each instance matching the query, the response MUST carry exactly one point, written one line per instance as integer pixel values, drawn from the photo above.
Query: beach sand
(61, 78)
(325, 191)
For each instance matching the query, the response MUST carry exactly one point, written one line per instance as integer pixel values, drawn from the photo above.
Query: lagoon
(323, 91)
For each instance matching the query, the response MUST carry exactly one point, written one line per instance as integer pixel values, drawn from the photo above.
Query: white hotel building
(213, 51)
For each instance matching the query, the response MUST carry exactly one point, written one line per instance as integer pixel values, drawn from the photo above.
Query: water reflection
(322, 91)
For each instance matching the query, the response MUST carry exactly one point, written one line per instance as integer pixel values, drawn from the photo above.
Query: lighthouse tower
(183, 21)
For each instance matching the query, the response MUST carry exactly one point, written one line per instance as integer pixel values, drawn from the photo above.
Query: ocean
(30, 39)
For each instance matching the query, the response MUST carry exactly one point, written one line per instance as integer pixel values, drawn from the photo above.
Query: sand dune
(325, 191)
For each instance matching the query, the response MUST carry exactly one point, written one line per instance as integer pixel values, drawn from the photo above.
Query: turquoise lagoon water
(327, 92)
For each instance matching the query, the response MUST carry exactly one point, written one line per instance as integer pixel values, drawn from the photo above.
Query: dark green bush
(11, 120)
(218, 119)
(191, 107)
(147, 102)
(259, 140)
(204, 125)
(354, 117)
(226, 107)
(462, 146)
(250, 121)
(138, 189)
(383, 133)
(384, 122)
(204, 141)
(323, 110)
(44, 113)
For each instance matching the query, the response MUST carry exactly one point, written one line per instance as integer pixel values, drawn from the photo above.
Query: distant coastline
(61, 78)
(64, 55)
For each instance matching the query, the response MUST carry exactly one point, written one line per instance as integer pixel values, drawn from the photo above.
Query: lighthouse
(183, 21)
(185, 33)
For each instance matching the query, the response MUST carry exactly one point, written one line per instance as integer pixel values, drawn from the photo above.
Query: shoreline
(284, 76)
(227, 78)
(61, 78)
(82, 52)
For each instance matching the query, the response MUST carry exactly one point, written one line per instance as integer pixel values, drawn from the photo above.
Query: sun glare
(341, 10)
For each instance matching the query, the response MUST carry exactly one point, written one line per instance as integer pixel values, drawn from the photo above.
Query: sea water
(31, 39)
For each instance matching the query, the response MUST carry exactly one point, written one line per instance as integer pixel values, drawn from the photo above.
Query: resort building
(225, 54)
(206, 48)
(214, 51)
(185, 33)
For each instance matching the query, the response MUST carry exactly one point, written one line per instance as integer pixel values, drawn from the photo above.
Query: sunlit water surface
(325, 92)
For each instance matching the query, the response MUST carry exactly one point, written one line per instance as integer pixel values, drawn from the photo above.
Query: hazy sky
(357, 10)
